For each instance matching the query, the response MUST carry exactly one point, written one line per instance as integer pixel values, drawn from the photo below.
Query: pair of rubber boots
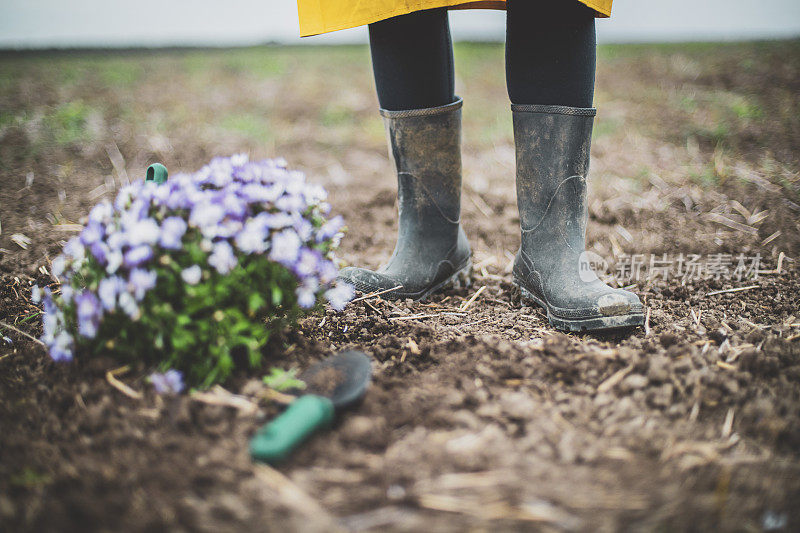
(551, 268)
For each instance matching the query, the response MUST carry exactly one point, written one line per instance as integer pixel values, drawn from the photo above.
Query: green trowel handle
(275, 441)
(157, 173)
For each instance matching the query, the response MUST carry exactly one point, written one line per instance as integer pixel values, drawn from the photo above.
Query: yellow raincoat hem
(312, 20)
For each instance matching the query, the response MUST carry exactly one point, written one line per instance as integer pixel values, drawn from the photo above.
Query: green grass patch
(124, 73)
(716, 134)
(688, 104)
(261, 63)
(605, 127)
(68, 123)
(7, 119)
(747, 110)
(706, 178)
(473, 58)
(335, 114)
(29, 479)
(249, 125)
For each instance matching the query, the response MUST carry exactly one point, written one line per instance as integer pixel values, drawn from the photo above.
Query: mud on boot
(551, 267)
(432, 250)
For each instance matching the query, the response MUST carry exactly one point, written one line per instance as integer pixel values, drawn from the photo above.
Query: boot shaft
(425, 149)
(552, 156)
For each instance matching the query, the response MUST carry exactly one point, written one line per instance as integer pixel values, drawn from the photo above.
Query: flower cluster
(196, 266)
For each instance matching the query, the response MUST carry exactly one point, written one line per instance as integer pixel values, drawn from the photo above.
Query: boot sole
(583, 324)
(461, 278)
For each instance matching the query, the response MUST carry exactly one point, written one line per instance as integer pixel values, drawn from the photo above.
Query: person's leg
(413, 62)
(550, 51)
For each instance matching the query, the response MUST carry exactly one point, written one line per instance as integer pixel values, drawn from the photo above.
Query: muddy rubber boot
(432, 250)
(551, 267)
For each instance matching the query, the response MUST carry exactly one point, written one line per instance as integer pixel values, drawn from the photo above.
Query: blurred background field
(75, 125)
(152, 23)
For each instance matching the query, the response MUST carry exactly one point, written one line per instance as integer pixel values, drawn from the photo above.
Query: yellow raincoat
(322, 16)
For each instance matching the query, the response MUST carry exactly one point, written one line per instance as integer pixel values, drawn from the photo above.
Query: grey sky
(59, 23)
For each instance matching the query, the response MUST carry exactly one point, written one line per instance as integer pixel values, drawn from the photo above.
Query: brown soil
(325, 381)
(481, 419)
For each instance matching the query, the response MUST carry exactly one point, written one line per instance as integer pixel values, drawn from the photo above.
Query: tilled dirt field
(480, 415)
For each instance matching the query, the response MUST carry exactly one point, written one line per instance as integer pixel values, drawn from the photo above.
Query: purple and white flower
(138, 255)
(58, 266)
(89, 311)
(192, 274)
(172, 231)
(99, 252)
(169, 382)
(307, 293)
(92, 233)
(304, 228)
(340, 295)
(285, 247)
(291, 203)
(128, 305)
(67, 293)
(141, 281)
(239, 160)
(327, 271)
(252, 238)
(108, 289)
(330, 229)
(74, 249)
(117, 239)
(101, 213)
(274, 220)
(308, 263)
(206, 214)
(144, 231)
(223, 258)
(114, 260)
(61, 347)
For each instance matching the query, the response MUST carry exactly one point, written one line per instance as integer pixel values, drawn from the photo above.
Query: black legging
(550, 56)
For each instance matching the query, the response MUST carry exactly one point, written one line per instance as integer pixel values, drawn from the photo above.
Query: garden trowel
(331, 385)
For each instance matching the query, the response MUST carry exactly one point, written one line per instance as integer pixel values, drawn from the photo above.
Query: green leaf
(282, 380)
(256, 301)
(277, 295)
